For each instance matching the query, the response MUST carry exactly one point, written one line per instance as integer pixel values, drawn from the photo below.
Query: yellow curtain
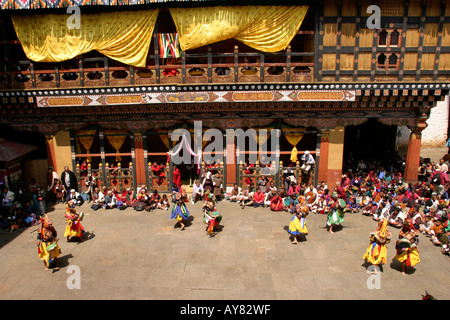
(265, 28)
(260, 140)
(206, 136)
(116, 141)
(123, 36)
(86, 141)
(164, 135)
(293, 139)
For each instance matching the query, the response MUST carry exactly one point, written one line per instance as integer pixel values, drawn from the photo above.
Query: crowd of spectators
(369, 189)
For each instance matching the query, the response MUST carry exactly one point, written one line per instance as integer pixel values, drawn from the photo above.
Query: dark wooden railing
(103, 72)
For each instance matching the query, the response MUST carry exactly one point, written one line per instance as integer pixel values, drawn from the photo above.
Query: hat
(72, 190)
(306, 152)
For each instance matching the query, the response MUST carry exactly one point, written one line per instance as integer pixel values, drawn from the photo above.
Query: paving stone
(140, 255)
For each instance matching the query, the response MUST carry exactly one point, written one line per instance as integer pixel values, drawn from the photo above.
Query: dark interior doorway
(372, 142)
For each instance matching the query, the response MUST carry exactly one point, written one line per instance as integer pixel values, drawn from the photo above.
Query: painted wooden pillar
(51, 154)
(141, 178)
(335, 156)
(413, 155)
(322, 164)
(230, 160)
(63, 150)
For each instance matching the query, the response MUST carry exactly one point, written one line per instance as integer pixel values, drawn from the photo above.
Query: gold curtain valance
(265, 28)
(116, 138)
(123, 36)
(86, 141)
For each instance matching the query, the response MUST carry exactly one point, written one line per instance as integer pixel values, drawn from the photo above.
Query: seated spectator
(426, 226)
(197, 192)
(269, 196)
(153, 201)
(142, 195)
(370, 208)
(248, 198)
(276, 204)
(110, 200)
(98, 197)
(163, 203)
(258, 198)
(353, 206)
(235, 193)
(438, 235)
(294, 189)
(75, 197)
(8, 198)
(129, 199)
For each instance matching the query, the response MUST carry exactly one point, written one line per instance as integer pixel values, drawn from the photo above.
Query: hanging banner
(169, 45)
(184, 142)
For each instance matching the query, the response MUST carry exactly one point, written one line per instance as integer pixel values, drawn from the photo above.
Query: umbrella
(10, 150)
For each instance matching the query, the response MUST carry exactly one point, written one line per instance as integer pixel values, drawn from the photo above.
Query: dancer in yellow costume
(48, 249)
(406, 246)
(73, 220)
(376, 253)
(297, 226)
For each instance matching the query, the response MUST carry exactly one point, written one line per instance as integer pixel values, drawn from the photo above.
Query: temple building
(107, 82)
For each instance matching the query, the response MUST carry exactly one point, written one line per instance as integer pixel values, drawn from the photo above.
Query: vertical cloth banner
(261, 139)
(169, 45)
(293, 139)
(184, 141)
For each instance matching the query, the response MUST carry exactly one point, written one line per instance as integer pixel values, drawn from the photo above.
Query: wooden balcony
(213, 70)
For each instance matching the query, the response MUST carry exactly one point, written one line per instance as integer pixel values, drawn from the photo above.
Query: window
(389, 38)
(382, 59)
(382, 38)
(392, 63)
(387, 61)
(394, 38)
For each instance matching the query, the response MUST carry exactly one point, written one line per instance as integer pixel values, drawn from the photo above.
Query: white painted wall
(435, 134)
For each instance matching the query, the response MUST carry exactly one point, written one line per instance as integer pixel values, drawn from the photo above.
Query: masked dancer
(406, 246)
(48, 248)
(376, 253)
(74, 228)
(179, 210)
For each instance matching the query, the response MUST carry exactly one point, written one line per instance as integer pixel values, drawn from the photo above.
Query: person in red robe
(276, 204)
(176, 177)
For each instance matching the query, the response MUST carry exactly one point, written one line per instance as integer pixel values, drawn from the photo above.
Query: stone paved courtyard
(140, 255)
